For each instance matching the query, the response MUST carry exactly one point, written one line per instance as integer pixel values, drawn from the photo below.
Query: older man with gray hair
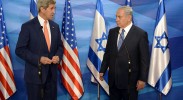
(39, 45)
(126, 57)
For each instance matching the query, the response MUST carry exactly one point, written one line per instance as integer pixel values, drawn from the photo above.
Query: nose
(54, 11)
(117, 19)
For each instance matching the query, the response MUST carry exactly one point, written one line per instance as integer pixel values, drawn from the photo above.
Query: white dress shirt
(127, 29)
(41, 21)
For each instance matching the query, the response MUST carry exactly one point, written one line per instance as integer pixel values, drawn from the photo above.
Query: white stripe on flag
(4, 72)
(4, 91)
(71, 68)
(98, 29)
(97, 45)
(6, 56)
(75, 90)
(161, 64)
(6, 75)
(70, 51)
(167, 87)
(31, 13)
(103, 83)
(160, 71)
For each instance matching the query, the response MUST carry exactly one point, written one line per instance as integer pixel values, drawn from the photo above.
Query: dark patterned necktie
(121, 39)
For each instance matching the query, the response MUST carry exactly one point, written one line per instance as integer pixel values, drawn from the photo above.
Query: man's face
(49, 12)
(122, 20)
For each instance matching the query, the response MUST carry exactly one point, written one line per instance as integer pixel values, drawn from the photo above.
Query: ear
(129, 17)
(42, 9)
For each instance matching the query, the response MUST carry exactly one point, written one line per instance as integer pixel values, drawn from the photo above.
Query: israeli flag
(160, 66)
(128, 3)
(33, 9)
(97, 46)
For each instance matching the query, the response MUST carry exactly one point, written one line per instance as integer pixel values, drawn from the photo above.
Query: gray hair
(128, 10)
(44, 4)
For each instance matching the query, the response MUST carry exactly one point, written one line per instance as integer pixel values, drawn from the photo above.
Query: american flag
(160, 67)
(7, 83)
(33, 9)
(70, 66)
(97, 46)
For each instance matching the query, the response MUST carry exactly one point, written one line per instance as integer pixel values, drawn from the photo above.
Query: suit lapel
(116, 38)
(129, 35)
(39, 30)
(37, 26)
(127, 38)
(52, 30)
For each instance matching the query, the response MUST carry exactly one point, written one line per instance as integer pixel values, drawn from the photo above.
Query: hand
(140, 85)
(101, 76)
(45, 60)
(55, 60)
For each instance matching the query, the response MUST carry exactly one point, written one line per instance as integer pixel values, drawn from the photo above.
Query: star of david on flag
(101, 43)
(160, 67)
(97, 47)
(162, 45)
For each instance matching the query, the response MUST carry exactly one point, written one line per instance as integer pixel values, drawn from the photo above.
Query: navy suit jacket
(136, 43)
(32, 45)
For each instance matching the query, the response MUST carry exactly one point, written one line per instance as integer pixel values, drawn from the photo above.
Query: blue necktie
(121, 39)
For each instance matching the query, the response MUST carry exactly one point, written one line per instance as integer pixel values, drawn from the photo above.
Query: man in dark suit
(39, 44)
(126, 57)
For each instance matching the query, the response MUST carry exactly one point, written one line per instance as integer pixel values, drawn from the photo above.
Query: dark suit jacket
(136, 43)
(32, 45)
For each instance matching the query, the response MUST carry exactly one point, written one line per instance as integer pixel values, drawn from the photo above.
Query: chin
(50, 18)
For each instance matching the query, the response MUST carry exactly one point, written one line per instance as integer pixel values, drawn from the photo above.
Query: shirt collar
(127, 29)
(41, 20)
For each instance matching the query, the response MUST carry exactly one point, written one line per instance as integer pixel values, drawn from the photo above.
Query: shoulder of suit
(53, 23)
(30, 22)
(115, 28)
(140, 30)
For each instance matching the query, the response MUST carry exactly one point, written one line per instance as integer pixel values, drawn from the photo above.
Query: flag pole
(98, 98)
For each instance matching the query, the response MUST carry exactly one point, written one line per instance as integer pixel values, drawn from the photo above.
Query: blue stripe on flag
(97, 46)
(100, 8)
(160, 13)
(94, 59)
(162, 80)
(96, 62)
(33, 8)
(128, 3)
(165, 77)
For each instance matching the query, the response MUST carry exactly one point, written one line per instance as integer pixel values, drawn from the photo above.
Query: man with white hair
(126, 57)
(39, 44)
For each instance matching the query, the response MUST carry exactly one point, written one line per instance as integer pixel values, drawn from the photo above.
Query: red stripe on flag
(1, 96)
(5, 84)
(5, 64)
(69, 89)
(71, 60)
(72, 77)
(76, 51)
(7, 50)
